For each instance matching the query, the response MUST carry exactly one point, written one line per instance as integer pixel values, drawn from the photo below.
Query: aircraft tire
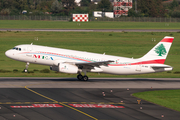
(79, 77)
(25, 70)
(85, 78)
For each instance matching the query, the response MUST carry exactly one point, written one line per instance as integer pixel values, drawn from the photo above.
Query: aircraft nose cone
(8, 53)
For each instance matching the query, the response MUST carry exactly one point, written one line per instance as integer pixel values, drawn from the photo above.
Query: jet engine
(65, 68)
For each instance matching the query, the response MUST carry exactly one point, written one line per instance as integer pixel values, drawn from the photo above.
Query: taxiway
(69, 99)
(94, 30)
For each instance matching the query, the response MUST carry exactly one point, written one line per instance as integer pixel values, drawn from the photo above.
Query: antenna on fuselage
(104, 53)
(31, 43)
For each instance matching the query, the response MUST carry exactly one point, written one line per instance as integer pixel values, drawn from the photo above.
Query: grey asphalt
(28, 91)
(163, 83)
(94, 30)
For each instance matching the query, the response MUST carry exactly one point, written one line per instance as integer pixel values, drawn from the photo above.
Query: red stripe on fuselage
(170, 40)
(159, 61)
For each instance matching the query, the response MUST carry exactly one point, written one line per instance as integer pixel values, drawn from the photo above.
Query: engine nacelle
(65, 68)
(54, 68)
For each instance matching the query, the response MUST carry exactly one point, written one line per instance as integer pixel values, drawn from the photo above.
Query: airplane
(76, 62)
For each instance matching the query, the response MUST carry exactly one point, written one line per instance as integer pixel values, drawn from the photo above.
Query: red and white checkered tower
(121, 7)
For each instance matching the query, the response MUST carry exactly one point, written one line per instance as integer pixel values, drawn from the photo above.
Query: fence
(35, 17)
(68, 18)
(137, 19)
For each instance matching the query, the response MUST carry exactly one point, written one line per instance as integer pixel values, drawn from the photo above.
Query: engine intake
(65, 68)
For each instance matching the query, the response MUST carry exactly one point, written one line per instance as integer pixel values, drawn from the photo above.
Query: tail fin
(159, 53)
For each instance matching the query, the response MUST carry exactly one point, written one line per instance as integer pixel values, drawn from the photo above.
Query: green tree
(174, 4)
(85, 2)
(105, 5)
(5, 4)
(152, 8)
(5, 11)
(56, 6)
(132, 13)
(153, 11)
(160, 50)
(69, 4)
(175, 14)
(18, 6)
(160, 8)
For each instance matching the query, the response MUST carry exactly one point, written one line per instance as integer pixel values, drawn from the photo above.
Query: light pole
(136, 6)
(103, 13)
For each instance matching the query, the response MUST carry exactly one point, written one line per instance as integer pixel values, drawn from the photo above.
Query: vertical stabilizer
(159, 53)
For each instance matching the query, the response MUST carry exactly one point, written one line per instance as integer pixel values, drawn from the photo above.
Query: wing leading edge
(91, 65)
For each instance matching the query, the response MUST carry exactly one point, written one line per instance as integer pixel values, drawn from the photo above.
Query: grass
(166, 98)
(86, 25)
(119, 44)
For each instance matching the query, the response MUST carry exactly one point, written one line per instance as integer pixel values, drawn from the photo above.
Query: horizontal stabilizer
(161, 66)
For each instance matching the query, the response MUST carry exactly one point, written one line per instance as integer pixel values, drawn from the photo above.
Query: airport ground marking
(74, 102)
(60, 103)
(41, 95)
(64, 102)
(18, 102)
(78, 111)
(37, 106)
(8, 102)
(95, 106)
(26, 103)
(36, 102)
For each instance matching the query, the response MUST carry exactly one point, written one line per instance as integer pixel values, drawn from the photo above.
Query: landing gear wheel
(79, 77)
(85, 78)
(25, 70)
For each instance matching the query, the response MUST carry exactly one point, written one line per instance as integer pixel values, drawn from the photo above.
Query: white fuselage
(52, 56)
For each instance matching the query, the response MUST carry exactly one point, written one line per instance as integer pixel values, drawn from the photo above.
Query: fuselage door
(29, 55)
(138, 67)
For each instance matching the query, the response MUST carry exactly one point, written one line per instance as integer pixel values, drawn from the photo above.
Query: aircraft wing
(91, 65)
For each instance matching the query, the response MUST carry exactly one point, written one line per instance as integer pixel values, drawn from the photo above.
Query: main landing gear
(80, 77)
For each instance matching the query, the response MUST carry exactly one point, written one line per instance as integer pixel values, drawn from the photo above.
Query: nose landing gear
(26, 69)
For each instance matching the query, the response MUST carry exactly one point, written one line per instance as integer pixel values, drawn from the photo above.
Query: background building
(121, 7)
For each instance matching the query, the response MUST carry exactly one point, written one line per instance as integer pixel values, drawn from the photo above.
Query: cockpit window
(16, 48)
